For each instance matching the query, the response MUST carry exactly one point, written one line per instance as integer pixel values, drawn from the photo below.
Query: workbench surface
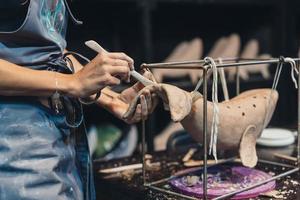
(128, 187)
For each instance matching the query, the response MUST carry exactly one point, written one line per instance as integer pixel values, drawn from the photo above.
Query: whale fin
(248, 147)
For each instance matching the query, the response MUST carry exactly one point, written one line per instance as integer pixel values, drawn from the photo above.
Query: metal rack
(205, 66)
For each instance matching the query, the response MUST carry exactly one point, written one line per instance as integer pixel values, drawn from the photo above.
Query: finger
(138, 86)
(147, 95)
(128, 78)
(122, 56)
(144, 107)
(116, 62)
(153, 89)
(149, 102)
(118, 71)
(111, 81)
(137, 115)
(155, 100)
(148, 74)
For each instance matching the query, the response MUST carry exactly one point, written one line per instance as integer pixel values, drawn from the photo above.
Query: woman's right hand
(106, 69)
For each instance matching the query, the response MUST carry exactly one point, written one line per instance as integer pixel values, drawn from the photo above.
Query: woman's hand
(118, 104)
(148, 102)
(106, 69)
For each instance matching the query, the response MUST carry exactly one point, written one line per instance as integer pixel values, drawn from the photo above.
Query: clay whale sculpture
(223, 47)
(241, 119)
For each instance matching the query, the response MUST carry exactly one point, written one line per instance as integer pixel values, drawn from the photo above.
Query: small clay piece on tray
(224, 179)
(272, 194)
(189, 155)
(156, 166)
(192, 180)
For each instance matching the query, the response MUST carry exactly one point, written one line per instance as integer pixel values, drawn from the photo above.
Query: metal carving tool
(96, 47)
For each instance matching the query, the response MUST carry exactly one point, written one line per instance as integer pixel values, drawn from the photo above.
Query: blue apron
(41, 155)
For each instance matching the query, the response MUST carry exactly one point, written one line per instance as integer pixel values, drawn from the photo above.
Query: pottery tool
(286, 157)
(121, 168)
(96, 47)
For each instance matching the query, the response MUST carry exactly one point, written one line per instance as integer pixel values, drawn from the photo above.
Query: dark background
(148, 30)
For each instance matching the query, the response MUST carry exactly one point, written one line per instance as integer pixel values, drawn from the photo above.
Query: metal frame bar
(144, 151)
(200, 64)
(298, 146)
(172, 193)
(203, 65)
(205, 133)
(191, 62)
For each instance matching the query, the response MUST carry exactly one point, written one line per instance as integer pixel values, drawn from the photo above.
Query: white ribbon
(215, 119)
(293, 69)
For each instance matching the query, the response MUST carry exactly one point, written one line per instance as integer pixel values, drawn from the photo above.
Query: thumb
(148, 74)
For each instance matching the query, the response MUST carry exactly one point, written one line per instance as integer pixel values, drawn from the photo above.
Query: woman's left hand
(148, 100)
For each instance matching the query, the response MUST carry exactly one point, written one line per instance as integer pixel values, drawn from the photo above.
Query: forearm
(20, 81)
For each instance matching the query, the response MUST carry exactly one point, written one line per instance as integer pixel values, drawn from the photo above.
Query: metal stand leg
(237, 79)
(205, 133)
(144, 151)
(298, 144)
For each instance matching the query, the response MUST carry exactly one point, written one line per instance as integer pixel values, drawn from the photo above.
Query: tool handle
(141, 78)
(96, 47)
